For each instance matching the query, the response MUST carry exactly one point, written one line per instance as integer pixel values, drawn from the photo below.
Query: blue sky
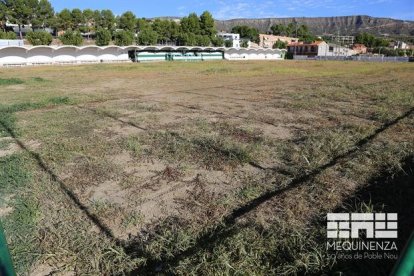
(227, 9)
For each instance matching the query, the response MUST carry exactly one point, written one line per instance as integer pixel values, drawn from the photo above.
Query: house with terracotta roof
(359, 49)
(267, 41)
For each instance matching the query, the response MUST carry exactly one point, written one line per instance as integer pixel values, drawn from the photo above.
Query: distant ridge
(344, 25)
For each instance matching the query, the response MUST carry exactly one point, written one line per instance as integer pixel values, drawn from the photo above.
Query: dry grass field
(200, 168)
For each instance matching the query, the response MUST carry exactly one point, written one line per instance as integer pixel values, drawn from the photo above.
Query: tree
(71, 38)
(65, 19)
(141, 24)
(44, 15)
(244, 44)
(280, 45)
(106, 20)
(304, 34)
(127, 21)
(147, 37)
(371, 41)
(166, 30)
(174, 31)
(88, 20)
(207, 24)
(3, 15)
(20, 12)
(39, 38)
(203, 40)
(191, 24)
(77, 18)
(187, 39)
(303, 30)
(290, 29)
(162, 29)
(246, 32)
(103, 37)
(124, 38)
(88, 15)
(381, 42)
(278, 29)
(97, 19)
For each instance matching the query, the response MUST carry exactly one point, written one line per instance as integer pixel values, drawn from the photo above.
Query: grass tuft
(11, 81)
(39, 79)
(12, 174)
(8, 120)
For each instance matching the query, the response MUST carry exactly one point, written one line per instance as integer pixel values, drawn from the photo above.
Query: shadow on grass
(210, 239)
(386, 193)
(54, 177)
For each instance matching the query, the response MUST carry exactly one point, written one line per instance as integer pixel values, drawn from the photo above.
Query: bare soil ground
(200, 168)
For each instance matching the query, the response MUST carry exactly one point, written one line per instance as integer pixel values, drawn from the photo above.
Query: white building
(400, 45)
(319, 48)
(234, 38)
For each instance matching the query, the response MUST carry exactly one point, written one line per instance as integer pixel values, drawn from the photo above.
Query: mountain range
(342, 25)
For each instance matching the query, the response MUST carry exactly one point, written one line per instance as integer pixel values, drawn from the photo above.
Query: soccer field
(200, 168)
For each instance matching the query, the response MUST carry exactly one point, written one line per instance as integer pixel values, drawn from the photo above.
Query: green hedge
(39, 38)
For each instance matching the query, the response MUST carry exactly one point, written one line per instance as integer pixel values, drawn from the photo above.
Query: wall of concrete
(38, 55)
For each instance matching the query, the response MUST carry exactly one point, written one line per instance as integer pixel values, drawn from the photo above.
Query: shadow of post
(66, 190)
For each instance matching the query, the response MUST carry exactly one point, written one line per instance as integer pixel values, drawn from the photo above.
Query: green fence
(6, 265)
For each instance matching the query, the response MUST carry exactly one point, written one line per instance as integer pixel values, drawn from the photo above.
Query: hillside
(345, 25)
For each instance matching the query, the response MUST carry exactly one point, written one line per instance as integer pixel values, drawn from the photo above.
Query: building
(15, 28)
(318, 48)
(267, 41)
(234, 38)
(359, 49)
(345, 40)
(401, 45)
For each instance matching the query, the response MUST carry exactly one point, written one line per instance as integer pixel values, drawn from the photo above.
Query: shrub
(124, 38)
(39, 38)
(7, 35)
(103, 37)
(71, 38)
(217, 41)
(228, 43)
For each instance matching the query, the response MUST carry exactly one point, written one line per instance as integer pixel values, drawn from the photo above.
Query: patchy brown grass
(200, 168)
